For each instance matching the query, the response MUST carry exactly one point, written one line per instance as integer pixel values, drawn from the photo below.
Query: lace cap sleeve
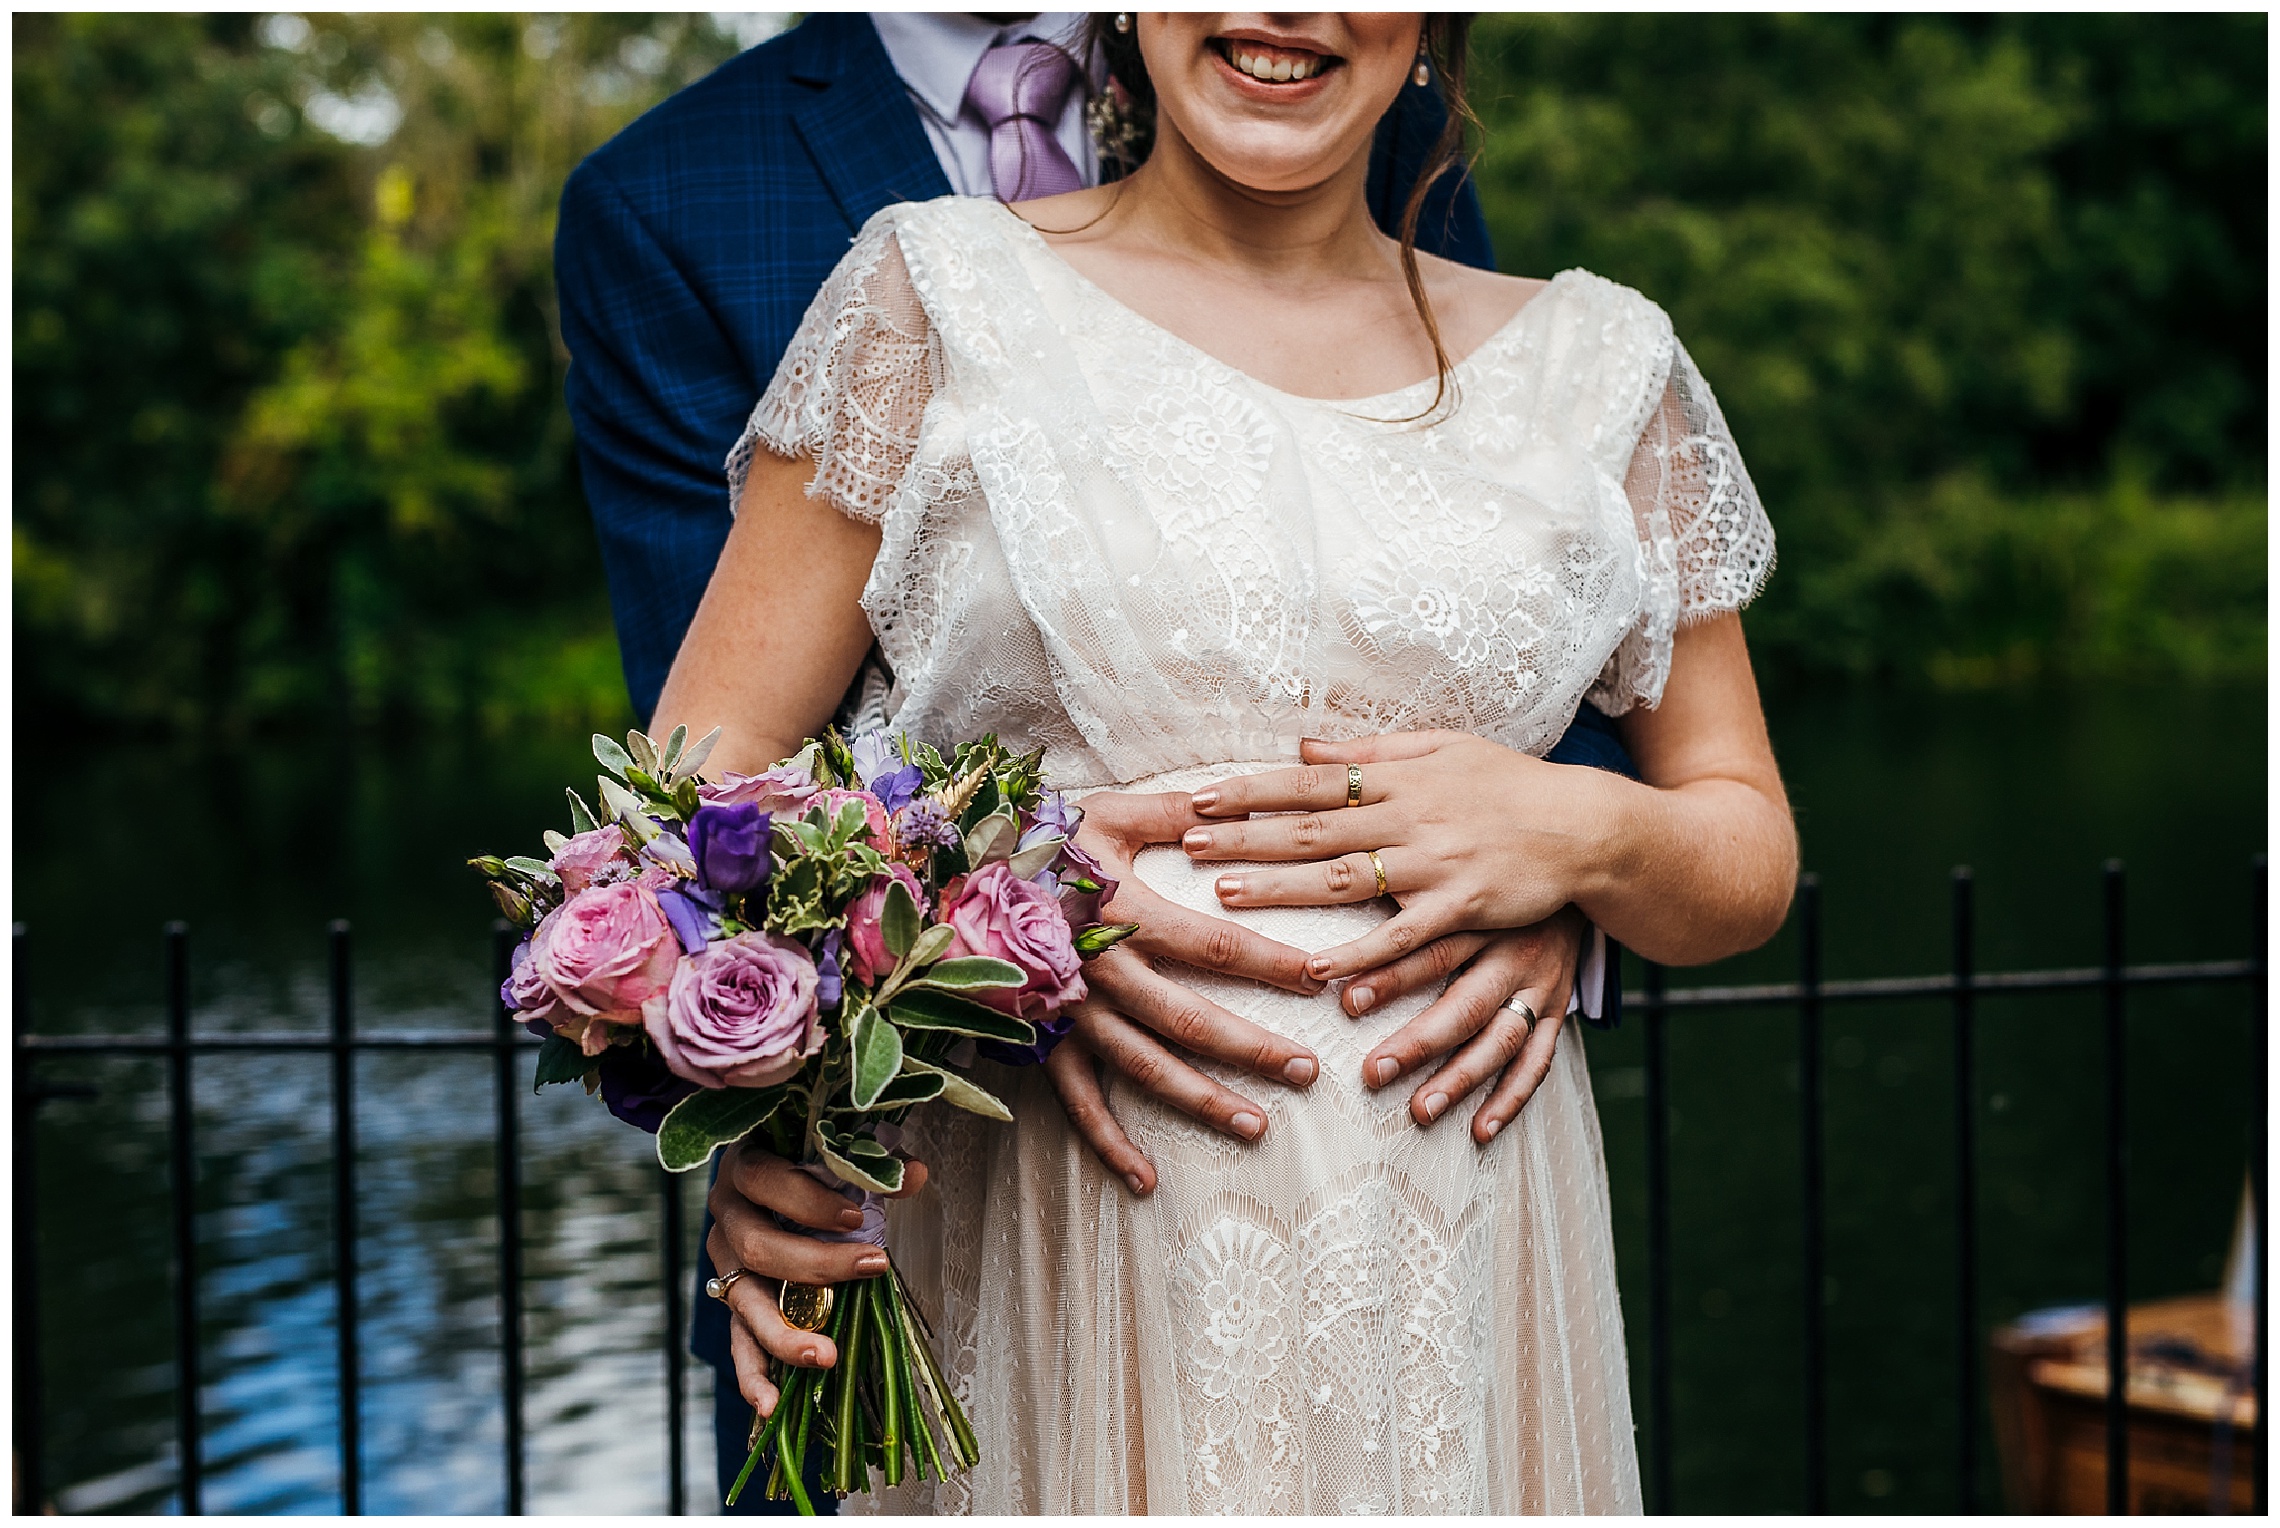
(852, 388)
(1705, 543)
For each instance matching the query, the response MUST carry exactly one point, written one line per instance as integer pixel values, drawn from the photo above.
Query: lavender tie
(1019, 89)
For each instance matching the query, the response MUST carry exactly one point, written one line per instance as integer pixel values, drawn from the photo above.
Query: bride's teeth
(1282, 69)
(1275, 70)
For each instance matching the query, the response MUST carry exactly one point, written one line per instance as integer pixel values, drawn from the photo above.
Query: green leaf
(581, 815)
(694, 759)
(610, 756)
(881, 1174)
(673, 747)
(973, 973)
(898, 920)
(959, 1093)
(702, 1123)
(931, 944)
(913, 1086)
(560, 1060)
(1027, 862)
(553, 841)
(537, 870)
(921, 1009)
(1102, 936)
(991, 839)
(644, 751)
(849, 821)
(878, 1055)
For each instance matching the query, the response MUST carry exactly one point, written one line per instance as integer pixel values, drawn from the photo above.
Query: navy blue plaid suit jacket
(689, 248)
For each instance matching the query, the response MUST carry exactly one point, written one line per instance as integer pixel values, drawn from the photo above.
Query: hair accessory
(1123, 21)
(1423, 73)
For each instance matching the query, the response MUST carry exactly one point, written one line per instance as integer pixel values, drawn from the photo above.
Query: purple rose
(637, 1086)
(867, 955)
(730, 845)
(741, 1015)
(997, 913)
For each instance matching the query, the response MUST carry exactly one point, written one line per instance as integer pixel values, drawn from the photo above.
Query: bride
(1299, 549)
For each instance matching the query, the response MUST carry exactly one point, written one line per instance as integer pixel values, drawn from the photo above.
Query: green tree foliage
(1982, 299)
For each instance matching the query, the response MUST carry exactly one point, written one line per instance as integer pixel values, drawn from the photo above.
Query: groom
(690, 245)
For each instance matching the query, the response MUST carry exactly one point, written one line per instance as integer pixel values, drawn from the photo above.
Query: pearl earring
(1423, 73)
(1124, 22)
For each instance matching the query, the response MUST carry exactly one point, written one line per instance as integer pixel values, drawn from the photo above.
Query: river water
(257, 848)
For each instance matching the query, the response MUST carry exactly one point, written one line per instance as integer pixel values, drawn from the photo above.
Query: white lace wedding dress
(1102, 541)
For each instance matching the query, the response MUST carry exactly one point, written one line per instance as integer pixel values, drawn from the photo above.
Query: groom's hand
(1131, 1010)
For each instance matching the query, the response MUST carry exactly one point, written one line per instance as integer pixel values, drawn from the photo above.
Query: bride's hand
(1131, 1010)
(1474, 1017)
(752, 1182)
(1472, 836)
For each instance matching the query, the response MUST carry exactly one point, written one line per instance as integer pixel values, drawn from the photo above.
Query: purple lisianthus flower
(1056, 817)
(1082, 907)
(879, 765)
(830, 980)
(729, 845)
(637, 1086)
(1050, 1033)
(692, 924)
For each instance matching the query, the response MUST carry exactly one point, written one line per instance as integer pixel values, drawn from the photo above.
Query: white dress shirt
(936, 53)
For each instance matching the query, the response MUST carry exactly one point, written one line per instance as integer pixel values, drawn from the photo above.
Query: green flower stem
(962, 1434)
(890, 1382)
(849, 1439)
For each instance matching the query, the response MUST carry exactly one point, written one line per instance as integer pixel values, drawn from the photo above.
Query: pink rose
(997, 913)
(868, 957)
(741, 1015)
(786, 788)
(525, 993)
(583, 858)
(874, 814)
(604, 954)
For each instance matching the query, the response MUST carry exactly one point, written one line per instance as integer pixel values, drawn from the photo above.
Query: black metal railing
(1962, 986)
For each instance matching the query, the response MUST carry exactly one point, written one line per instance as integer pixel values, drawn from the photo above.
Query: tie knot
(1022, 79)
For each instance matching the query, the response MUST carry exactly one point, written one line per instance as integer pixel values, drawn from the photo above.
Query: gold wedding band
(720, 1284)
(1354, 788)
(1378, 866)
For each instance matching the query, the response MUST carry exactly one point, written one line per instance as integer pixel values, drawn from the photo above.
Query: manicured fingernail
(1488, 1129)
(1230, 885)
(811, 1355)
(1205, 799)
(1139, 1186)
(1196, 840)
(1319, 968)
(875, 1262)
(1385, 1069)
(1362, 997)
(1299, 1070)
(1247, 1126)
(851, 1219)
(1434, 1104)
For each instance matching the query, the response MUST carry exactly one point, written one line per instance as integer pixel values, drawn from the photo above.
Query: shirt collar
(936, 52)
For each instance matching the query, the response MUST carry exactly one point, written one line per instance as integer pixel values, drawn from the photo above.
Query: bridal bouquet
(804, 955)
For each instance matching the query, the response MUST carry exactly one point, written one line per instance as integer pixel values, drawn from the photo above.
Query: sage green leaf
(694, 759)
(918, 1008)
(1027, 862)
(705, 1121)
(880, 1177)
(972, 973)
(673, 747)
(960, 1093)
(581, 815)
(627, 808)
(931, 944)
(610, 756)
(553, 841)
(878, 1055)
(644, 751)
(992, 839)
(898, 920)
(912, 1087)
(537, 870)
(1102, 936)
(561, 1060)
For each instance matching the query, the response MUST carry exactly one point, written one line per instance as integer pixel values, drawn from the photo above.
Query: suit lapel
(859, 126)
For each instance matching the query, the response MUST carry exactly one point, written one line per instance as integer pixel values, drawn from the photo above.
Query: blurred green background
(1983, 299)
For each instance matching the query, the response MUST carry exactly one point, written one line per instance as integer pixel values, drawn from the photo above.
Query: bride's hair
(1124, 129)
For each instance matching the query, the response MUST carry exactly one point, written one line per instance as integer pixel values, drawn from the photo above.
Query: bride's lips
(1272, 71)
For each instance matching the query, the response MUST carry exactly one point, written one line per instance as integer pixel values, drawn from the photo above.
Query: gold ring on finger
(805, 1307)
(1353, 785)
(1377, 868)
(720, 1284)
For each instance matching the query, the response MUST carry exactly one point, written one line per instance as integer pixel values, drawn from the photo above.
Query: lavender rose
(868, 958)
(604, 955)
(730, 844)
(997, 913)
(583, 858)
(741, 1015)
(782, 789)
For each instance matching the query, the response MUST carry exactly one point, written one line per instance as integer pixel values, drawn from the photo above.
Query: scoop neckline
(1496, 337)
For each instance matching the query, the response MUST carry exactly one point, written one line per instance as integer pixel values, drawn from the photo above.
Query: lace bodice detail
(1100, 540)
